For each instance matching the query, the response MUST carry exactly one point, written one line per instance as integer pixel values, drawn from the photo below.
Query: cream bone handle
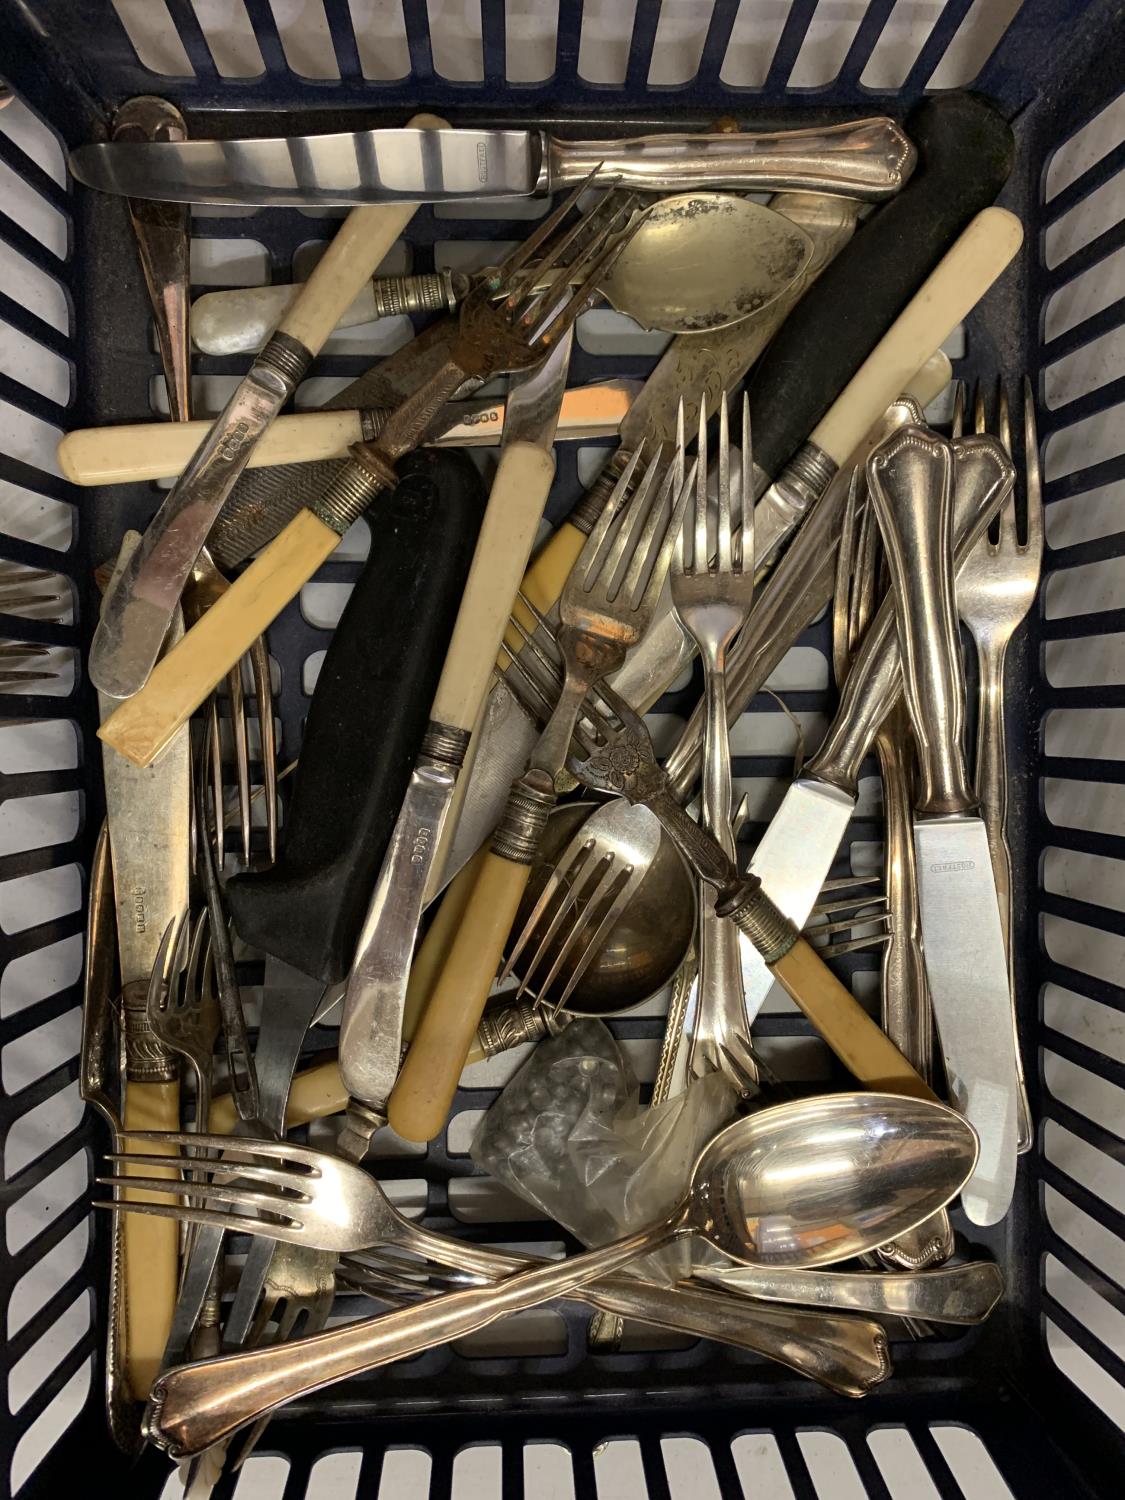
(139, 451)
(911, 483)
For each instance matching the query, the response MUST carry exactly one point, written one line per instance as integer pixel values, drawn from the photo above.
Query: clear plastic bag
(568, 1134)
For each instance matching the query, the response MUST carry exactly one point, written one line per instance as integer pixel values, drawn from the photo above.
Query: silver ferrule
(347, 497)
(524, 820)
(444, 745)
(285, 357)
(754, 914)
(805, 478)
(585, 514)
(428, 292)
(511, 1026)
(147, 1059)
(360, 1123)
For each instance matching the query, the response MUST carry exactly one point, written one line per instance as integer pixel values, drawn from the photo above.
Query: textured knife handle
(143, 725)
(966, 152)
(515, 508)
(366, 720)
(911, 483)
(862, 159)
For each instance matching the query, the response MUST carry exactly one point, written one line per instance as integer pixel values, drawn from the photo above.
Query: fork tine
(590, 553)
(650, 521)
(215, 755)
(527, 248)
(842, 588)
(584, 881)
(723, 539)
(700, 551)
(241, 754)
(747, 542)
(558, 879)
(848, 903)
(219, 1167)
(957, 419)
(208, 1192)
(659, 567)
(618, 889)
(156, 996)
(524, 689)
(879, 919)
(1003, 417)
(301, 1156)
(188, 1213)
(853, 945)
(263, 694)
(193, 976)
(585, 292)
(603, 557)
(1034, 477)
(980, 419)
(590, 234)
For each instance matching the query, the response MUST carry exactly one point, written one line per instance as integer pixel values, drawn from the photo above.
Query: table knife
(148, 814)
(796, 851)
(693, 366)
(371, 1026)
(419, 164)
(137, 609)
(136, 451)
(911, 481)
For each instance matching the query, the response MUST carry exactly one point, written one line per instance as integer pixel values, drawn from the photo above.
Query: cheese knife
(911, 481)
(869, 159)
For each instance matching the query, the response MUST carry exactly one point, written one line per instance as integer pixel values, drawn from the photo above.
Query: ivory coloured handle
(419, 1104)
(150, 1245)
(160, 450)
(544, 580)
(360, 243)
(515, 507)
(863, 1048)
(947, 295)
(141, 726)
(239, 320)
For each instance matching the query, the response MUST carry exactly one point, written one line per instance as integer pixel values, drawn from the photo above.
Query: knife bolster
(286, 358)
(524, 820)
(444, 745)
(353, 489)
(756, 916)
(147, 1060)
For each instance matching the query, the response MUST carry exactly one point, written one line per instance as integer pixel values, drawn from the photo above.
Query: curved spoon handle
(200, 1404)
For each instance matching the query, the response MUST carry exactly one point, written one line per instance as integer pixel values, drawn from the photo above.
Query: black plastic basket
(1032, 1403)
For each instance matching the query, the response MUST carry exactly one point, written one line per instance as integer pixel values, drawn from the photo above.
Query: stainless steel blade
(371, 1025)
(792, 861)
(365, 166)
(968, 974)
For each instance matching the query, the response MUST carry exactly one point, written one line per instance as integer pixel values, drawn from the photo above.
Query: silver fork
(183, 1011)
(996, 586)
(712, 591)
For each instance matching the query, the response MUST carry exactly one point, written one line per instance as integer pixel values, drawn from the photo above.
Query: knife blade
(138, 607)
(148, 816)
(694, 367)
(911, 481)
(371, 1026)
(864, 158)
(796, 852)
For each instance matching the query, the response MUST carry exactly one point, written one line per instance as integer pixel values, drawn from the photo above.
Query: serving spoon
(803, 1184)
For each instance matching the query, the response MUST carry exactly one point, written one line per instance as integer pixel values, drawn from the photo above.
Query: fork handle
(419, 1103)
(149, 1245)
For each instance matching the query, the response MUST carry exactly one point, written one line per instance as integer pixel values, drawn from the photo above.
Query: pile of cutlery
(480, 842)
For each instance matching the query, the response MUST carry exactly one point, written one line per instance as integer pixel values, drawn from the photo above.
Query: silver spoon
(699, 262)
(803, 1184)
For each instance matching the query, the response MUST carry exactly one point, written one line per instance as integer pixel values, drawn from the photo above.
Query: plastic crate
(1030, 1404)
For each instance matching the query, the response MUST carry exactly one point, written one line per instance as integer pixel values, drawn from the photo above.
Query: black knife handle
(965, 150)
(366, 720)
